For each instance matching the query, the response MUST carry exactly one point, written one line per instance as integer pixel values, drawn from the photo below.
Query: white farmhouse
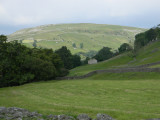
(92, 61)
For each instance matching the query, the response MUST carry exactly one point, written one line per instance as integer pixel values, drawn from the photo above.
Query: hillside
(148, 54)
(124, 96)
(92, 36)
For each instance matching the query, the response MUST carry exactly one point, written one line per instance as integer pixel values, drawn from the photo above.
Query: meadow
(119, 95)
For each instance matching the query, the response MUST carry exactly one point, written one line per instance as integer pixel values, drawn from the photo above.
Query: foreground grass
(123, 99)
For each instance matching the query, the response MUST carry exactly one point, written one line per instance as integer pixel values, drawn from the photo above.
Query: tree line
(144, 38)
(20, 64)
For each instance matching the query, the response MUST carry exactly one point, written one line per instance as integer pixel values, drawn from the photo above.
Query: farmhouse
(92, 61)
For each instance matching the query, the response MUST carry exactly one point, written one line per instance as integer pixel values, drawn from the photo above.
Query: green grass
(131, 96)
(155, 66)
(93, 36)
(118, 61)
(147, 54)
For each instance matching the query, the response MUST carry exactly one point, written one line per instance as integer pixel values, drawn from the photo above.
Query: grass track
(122, 98)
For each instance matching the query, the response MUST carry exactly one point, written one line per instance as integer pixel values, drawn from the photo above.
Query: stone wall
(142, 68)
(13, 113)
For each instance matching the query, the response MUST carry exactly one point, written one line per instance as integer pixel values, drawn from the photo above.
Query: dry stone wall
(13, 113)
(142, 68)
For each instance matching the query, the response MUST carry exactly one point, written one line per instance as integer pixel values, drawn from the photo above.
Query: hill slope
(93, 36)
(127, 96)
(145, 55)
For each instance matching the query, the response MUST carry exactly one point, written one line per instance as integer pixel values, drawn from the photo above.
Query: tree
(104, 54)
(74, 45)
(3, 39)
(85, 61)
(124, 47)
(76, 60)
(35, 43)
(81, 45)
(66, 57)
(19, 64)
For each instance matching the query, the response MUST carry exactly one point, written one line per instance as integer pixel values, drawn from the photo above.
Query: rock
(22, 114)
(104, 117)
(19, 118)
(52, 117)
(65, 117)
(83, 117)
(34, 114)
(2, 116)
(3, 110)
(17, 115)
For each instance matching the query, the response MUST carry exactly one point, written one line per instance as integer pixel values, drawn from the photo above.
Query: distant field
(93, 36)
(123, 97)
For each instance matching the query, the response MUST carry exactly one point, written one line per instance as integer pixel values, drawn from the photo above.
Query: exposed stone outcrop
(103, 117)
(83, 117)
(13, 113)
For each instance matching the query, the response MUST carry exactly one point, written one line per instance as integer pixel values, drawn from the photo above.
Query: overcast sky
(18, 14)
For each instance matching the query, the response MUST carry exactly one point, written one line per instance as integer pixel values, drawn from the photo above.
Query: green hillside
(93, 36)
(124, 96)
(145, 55)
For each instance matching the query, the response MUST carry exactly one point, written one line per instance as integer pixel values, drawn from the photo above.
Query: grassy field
(121, 96)
(147, 54)
(93, 36)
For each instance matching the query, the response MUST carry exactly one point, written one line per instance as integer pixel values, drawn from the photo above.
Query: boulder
(104, 117)
(52, 117)
(65, 117)
(3, 110)
(83, 117)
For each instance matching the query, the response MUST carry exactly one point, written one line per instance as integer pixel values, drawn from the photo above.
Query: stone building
(92, 61)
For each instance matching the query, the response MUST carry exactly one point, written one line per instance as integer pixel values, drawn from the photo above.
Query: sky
(19, 14)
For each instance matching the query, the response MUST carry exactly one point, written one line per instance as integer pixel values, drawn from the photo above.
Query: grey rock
(19, 118)
(17, 115)
(83, 117)
(52, 117)
(2, 116)
(3, 110)
(104, 117)
(65, 117)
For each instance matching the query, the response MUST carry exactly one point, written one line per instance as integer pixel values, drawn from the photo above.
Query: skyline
(20, 14)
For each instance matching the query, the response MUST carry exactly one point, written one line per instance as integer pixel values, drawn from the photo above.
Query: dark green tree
(76, 60)
(104, 54)
(35, 43)
(66, 57)
(124, 47)
(19, 64)
(81, 45)
(74, 45)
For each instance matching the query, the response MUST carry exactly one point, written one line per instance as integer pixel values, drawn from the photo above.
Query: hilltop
(92, 36)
